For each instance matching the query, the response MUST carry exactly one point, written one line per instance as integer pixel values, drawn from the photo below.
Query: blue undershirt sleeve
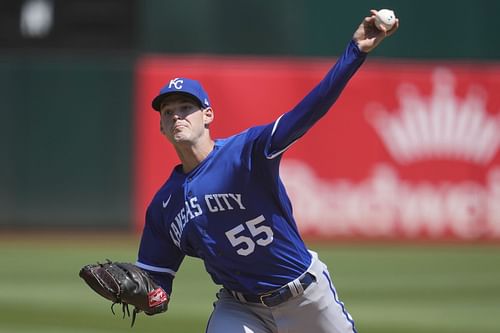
(295, 123)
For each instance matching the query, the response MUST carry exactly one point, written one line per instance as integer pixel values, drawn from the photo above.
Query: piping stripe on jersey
(344, 311)
(155, 269)
(272, 156)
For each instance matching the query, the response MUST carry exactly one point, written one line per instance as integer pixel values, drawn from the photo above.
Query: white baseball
(386, 18)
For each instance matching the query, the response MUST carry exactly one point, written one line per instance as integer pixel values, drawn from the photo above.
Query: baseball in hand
(385, 18)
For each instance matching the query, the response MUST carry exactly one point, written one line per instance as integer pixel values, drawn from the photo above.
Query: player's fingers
(369, 19)
(373, 13)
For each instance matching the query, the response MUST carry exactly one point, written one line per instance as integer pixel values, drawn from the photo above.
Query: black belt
(275, 297)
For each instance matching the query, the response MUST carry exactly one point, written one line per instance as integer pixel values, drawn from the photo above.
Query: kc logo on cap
(177, 83)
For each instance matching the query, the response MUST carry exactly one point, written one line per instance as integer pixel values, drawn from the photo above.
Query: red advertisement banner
(409, 150)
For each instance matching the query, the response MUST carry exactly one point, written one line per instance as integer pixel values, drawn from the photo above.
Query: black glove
(125, 284)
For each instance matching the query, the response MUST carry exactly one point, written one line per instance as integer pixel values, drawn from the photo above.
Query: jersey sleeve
(157, 253)
(296, 122)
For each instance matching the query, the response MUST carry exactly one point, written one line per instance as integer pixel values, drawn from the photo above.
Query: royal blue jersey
(232, 210)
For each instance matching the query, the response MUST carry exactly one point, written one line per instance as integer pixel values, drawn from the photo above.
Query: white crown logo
(441, 126)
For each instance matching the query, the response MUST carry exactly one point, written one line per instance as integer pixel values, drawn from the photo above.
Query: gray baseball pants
(317, 310)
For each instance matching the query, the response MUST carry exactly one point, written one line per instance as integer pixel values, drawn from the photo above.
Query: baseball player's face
(183, 120)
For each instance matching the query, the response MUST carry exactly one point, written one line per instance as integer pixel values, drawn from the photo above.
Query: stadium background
(68, 100)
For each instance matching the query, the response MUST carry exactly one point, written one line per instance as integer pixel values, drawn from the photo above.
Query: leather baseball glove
(125, 283)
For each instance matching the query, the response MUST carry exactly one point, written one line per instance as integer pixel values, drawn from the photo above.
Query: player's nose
(177, 114)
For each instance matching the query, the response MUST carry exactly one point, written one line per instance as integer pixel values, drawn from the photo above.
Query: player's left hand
(368, 36)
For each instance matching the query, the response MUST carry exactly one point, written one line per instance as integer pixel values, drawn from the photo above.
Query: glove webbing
(126, 310)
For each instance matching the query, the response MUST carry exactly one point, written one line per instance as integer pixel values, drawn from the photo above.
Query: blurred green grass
(386, 287)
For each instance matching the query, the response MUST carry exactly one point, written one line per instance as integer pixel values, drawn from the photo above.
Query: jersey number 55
(262, 235)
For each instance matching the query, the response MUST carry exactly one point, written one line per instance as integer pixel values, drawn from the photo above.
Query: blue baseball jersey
(232, 210)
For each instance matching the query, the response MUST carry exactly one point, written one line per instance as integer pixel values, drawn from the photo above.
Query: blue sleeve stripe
(155, 268)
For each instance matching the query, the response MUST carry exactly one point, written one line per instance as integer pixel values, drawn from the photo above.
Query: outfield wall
(65, 137)
(410, 150)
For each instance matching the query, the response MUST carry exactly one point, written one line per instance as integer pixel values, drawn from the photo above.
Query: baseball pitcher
(225, 204)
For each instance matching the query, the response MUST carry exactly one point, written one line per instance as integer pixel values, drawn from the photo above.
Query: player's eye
(167, 112)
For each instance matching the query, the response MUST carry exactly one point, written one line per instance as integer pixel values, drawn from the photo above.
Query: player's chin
(180, 137)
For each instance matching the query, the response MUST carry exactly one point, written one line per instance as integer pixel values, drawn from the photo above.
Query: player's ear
(161, 128)
(208, 116)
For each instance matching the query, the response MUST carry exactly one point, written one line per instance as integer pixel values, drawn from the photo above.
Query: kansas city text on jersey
(216, 202)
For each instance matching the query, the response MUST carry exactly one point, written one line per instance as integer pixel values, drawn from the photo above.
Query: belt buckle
(261, 297)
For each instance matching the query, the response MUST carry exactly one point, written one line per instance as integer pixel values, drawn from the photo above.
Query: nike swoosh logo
(165, 203)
